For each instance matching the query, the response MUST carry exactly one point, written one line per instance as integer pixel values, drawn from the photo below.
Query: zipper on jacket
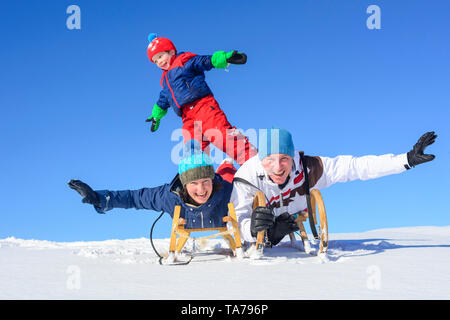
(107, 202)
(201, 214)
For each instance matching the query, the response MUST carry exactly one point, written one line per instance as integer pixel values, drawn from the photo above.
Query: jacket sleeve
(242, 198)
(147, 198)
(163, 102)
(348, 168)
(200, 63)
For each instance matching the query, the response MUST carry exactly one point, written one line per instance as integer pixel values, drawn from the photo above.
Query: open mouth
(280, 174)
(201, 196)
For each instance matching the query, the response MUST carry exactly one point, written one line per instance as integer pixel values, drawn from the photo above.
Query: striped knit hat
(195, 164)
(275, 141)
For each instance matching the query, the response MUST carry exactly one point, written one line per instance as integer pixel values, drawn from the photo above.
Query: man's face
(162, 59)
(278, 167)
(200, 190)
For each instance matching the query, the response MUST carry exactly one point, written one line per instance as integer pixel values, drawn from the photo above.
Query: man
(278, 172)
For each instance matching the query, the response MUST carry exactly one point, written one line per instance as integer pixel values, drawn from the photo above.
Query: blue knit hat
(195, 164)
(275, 141)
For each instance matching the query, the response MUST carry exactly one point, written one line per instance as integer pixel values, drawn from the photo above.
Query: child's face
(162, 59)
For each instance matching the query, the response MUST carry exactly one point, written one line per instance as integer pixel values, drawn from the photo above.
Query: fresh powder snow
(401, 263)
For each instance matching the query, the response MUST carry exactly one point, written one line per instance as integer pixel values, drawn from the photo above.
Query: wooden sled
(316, 205)
(180, 234)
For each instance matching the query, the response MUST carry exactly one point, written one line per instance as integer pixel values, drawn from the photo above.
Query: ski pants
(207, 123)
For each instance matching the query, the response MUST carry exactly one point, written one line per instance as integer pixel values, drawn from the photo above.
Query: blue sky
(73, 103)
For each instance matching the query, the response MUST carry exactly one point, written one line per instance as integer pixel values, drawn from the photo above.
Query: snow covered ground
(403, 263)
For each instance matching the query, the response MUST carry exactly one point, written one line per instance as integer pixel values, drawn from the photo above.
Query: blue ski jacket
(184, 82)
(166, 197)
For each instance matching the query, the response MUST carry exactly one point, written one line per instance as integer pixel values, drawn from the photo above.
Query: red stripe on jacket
(179, 61)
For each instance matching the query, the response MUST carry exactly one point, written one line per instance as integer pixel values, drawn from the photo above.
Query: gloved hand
(220, 59)
(284, 224)
(89, 195)
(262, 219)
(237, 58)
(157, 114)
(416, 155)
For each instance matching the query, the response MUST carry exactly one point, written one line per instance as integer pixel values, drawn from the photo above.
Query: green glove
(220, 59)
(157, 114)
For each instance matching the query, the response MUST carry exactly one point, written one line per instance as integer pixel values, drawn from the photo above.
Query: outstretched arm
(105, 200)
(347, 168)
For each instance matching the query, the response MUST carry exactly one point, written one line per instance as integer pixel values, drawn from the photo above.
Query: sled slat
(232, 216)
(173, 235)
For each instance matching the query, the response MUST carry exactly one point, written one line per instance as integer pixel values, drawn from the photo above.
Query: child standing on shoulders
(185, 90)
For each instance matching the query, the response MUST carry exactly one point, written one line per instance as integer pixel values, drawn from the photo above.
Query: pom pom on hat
(195, 164)
(152, 36)
(158, 44)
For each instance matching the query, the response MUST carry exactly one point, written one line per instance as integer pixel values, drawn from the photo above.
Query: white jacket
(322, 173)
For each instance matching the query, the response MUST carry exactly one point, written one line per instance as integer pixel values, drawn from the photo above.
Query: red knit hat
(157, 45)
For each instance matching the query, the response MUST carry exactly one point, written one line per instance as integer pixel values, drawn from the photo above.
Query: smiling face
(162, 59)
(200, 190)
(278, 167)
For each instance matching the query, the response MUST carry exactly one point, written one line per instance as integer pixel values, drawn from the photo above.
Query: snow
(402, 263)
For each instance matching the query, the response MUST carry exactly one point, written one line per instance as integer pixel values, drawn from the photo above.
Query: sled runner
(317, 201)
(180, 234)
(318, 216)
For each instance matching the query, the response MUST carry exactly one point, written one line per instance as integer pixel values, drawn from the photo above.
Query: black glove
(416, 155)
(284, 224)
(89, 195)
(237, 58)
(262, 219)
(155, 123)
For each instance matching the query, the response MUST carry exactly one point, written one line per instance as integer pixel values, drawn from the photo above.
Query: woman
(202, 194)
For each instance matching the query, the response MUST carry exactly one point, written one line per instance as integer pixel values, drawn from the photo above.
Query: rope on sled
(151, 235)
(156, 251)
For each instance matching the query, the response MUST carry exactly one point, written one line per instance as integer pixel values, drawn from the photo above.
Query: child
(185, 90)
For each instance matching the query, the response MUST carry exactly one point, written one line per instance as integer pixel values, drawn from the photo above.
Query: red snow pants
(226, 171)
(206, 122)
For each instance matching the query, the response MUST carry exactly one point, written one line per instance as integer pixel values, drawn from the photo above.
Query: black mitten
(284, 224)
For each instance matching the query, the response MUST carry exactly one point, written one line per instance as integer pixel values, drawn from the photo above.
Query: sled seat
(181, 233)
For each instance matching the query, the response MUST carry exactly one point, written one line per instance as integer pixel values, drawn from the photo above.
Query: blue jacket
(165, 198)
(184, 82)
